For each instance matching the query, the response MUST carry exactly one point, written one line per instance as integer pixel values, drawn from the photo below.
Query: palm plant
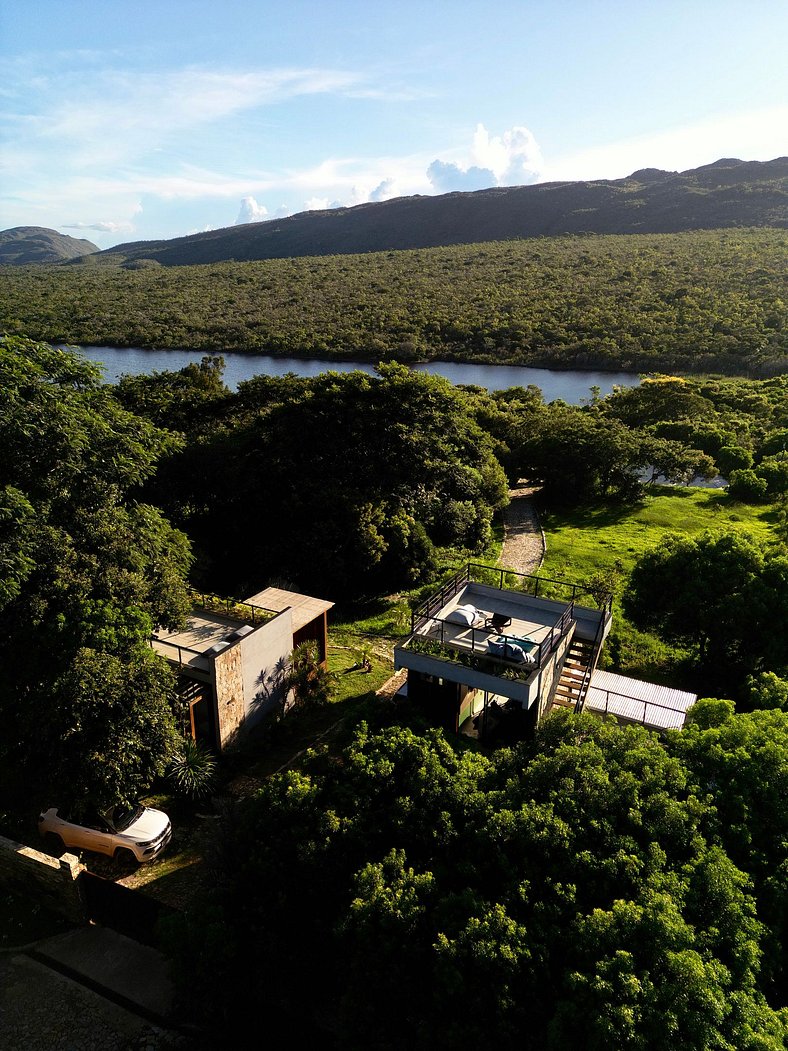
(193, 771)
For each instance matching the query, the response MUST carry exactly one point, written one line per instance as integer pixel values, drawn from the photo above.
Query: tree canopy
(721, 592)
(699, 301)
(87, 570)
(575, 892)
(343, 483)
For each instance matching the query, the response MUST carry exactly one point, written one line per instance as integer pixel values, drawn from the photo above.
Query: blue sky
(128, 121)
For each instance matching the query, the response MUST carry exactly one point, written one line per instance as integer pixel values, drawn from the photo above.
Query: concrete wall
(247, 676)
(517, 689)
(262, 654)
(51, 882)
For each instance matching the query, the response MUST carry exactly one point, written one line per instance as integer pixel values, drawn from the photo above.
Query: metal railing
(479, 638)
(232, 608)
(439, 598)
(533, 583)
(477, 572)
(596, 647)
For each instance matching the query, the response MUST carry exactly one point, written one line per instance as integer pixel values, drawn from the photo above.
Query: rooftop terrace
(530, 615)
(213, 625)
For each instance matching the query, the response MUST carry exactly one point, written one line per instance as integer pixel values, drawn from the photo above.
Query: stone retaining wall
(52, 882)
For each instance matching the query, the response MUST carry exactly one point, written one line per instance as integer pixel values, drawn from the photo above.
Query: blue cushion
(509, 651)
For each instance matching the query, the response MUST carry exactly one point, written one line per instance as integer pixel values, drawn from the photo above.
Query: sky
(126, 121)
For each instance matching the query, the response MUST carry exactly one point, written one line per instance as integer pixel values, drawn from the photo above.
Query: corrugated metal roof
(657, 707)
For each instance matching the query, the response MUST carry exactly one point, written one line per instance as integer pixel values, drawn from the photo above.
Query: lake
(572, 386)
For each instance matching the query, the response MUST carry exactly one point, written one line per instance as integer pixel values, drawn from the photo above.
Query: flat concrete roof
(657, 707)
(304, 608)
(202, 630)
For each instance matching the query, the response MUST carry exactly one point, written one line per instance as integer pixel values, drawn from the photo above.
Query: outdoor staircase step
(562, 691)
(561, 702)
(569, 688)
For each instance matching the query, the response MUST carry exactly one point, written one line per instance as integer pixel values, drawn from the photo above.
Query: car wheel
(54, 845)
(127, 859)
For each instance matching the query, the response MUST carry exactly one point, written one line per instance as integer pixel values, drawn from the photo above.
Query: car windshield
(120, 817)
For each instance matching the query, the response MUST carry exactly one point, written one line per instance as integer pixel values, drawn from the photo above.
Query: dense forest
(597, 887)
(600, 888)
(702, 301)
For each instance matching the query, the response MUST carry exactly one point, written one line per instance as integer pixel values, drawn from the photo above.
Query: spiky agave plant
(193, 771)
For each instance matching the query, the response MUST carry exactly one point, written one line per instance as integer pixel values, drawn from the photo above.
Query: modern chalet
(496, 651)
(232, 657)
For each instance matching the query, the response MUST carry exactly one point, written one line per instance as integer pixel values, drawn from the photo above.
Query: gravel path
(41, 1010)
(523, 542)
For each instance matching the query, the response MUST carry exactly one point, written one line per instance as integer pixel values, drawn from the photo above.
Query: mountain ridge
(727, 193)
(23, 245)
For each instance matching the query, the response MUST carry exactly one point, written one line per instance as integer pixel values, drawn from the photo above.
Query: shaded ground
(78, 1001)
(42, 1009)
(185, 867)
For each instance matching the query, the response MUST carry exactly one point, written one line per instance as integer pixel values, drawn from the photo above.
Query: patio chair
(498, 621)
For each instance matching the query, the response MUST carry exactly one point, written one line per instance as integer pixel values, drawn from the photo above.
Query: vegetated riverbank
(707, 301)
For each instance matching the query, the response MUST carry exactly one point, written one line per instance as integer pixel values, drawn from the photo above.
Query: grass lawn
(584, 542)
(606, 542)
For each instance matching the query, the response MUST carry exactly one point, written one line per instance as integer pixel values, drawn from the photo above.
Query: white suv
(127, 833)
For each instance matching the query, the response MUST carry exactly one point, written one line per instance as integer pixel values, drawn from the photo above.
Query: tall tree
(85, 572)
(721, 592)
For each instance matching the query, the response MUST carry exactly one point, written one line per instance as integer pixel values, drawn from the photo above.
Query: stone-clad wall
(51, 882)
(229, 686)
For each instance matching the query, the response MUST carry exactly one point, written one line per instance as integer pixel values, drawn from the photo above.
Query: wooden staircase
(579, 655)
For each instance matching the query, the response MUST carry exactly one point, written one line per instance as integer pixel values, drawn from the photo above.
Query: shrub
(193, 772)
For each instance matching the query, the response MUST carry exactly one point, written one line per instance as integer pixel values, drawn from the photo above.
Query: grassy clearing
(606, 542)
(585, 542)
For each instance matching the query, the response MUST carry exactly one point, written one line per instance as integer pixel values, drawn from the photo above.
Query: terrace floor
(527, 621)
(202, 631)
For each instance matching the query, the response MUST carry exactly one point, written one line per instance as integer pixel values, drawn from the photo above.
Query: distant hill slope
(728, 193)
(35, 244)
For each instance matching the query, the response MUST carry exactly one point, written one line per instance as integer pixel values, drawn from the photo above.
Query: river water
(571, 386)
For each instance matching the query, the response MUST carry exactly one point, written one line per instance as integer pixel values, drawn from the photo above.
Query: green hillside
(701, 301)
(23, 245)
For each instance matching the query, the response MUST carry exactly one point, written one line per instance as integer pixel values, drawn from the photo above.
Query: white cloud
(445, 177)
(251, 212)
(114, 121)
(515, 156)
(511, 159)
(103, 226)
(384, 191)
(115, 111)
